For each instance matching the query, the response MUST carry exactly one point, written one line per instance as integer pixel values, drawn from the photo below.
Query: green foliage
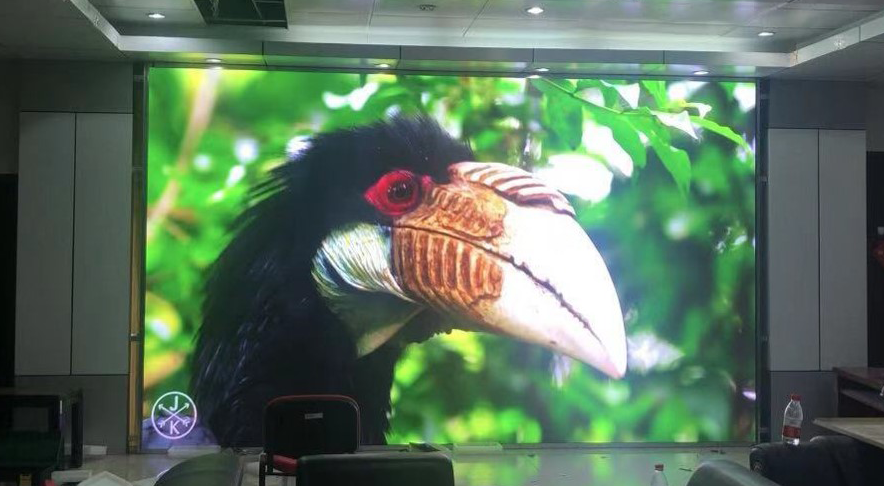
(676, 228)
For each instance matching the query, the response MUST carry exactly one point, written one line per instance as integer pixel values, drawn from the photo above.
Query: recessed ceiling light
(534, 76)
(382, 65)
(156, 15)
(542, 70)
(216, 68)
(213, 60)
(766, 33)
(535, 10)
(701, 72)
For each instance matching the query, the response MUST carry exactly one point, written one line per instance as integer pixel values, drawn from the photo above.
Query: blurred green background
(661, 173)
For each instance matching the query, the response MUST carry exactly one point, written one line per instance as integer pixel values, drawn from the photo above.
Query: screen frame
(141, 74)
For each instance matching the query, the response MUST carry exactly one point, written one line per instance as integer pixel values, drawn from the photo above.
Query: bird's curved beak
(497, 246)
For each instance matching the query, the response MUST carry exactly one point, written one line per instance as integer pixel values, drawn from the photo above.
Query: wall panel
(100, 313)
(842, 210)
(793, 250)
(45, 237)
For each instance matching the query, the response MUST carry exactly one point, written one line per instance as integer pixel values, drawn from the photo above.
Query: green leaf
(588, 83)
(657, 90)
(680, 121)
(675, 160)
(566, 120)
(702, 108)
(551, 87)
(630, 93)
(625, 134)
(722, 130)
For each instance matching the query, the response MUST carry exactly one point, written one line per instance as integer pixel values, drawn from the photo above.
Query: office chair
(300, 425)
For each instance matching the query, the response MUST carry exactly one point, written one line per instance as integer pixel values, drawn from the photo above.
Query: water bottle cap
(795, 397)
(658, 467)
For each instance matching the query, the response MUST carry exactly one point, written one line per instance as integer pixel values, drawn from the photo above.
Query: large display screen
(472, 259)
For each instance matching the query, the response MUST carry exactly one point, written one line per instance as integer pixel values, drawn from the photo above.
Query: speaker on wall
(8, 217)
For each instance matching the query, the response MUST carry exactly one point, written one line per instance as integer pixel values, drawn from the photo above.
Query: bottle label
(791, 432)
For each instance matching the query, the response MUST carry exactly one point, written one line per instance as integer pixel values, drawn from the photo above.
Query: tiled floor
(520, 467)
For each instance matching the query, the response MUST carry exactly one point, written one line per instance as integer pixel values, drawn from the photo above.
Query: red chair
(300, 425)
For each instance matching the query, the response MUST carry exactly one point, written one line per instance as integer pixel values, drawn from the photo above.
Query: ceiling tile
(358, 19)
(652, 28)
(866, 5)
(782, 34)
(703, 11)
(545, 29)
(415, 25)
(553, 10)
(860, 61)
(807, 18)
(139, 15)
(677, 11)
(444, 8)
(521, 27)
(339, 6)
(155, 5)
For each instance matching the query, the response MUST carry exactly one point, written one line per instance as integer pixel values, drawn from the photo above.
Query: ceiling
(613, 36)
(505, 23)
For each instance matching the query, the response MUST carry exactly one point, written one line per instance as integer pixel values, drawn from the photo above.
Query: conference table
(868, 430)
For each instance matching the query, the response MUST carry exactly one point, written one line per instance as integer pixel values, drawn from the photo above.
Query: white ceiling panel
(866, 5)
(156, 5)
(553, 10)
(873, 30)
(808, 18)
(340, 19)
(339, 6)
(527, 27)
(418, 25)
(732, 12)
(782, 34)
(139, 15)
(860, 61)
(652, 28)
(444, 8)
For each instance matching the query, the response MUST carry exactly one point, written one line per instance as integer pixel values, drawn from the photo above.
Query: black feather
(265, 331)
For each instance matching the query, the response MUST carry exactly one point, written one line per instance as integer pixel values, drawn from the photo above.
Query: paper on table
(105, 479)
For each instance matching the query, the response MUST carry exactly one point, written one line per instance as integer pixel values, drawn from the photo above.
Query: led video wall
(472, 259)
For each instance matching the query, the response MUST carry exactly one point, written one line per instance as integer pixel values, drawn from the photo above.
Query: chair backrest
(721, 472)
(824, 460)
(299, 425)
(376, 469)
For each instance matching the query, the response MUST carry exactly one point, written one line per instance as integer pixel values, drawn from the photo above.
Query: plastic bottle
(792, 420)
(659, 479)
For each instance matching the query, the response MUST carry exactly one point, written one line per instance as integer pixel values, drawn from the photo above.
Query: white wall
(816, 241)
(75, 179)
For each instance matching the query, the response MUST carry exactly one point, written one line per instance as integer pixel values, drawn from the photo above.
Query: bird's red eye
(395, 193)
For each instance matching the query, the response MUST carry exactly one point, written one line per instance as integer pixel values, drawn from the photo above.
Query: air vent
(267, 13)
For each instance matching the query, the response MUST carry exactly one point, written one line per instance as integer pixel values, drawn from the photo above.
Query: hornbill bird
(376, 237)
